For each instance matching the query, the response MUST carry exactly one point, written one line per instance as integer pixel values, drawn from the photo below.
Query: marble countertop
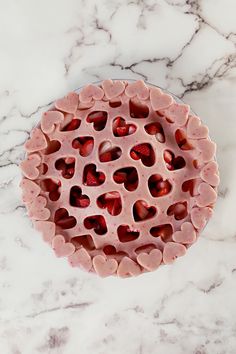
(51, 47)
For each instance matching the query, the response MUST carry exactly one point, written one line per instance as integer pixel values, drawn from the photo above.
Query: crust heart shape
(119, 178)
(159, 100)
(137, 89)
(104, 267)
(69, 103)
(113, 89)
(50, 119)
(62, 248)
(150, 261)
(37, 141)
(29, 166)
(81, 259)
(91, 92)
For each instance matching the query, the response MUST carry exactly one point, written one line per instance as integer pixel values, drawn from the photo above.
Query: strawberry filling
(84, 144)
(181, 140)
(99, 120)
(108, 153)
(73, 125)
(172, 162)
(63, 220)
(144, 152)
(111, 201)
(188, 186)
(66, 166)
(91, 177)
(85, 241)
(138, 109)
(78, 199)
(179, 210)
(164, 231)
(128, 176)
(158, 187)
(53, 146)
(142, 212)
(127, 235)
(157, 130)
(52, 187)
(120, 128)
(96, 222)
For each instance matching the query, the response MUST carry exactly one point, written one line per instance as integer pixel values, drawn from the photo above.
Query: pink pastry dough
(119, 178)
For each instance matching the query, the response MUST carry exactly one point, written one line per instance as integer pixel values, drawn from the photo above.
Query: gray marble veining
(50, 48)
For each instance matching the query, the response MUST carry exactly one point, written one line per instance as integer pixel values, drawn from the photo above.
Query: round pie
(119, 178)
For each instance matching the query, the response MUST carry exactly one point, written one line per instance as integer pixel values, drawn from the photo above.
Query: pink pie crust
(119, 178)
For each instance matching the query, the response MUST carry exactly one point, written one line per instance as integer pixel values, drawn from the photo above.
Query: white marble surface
(51, 47)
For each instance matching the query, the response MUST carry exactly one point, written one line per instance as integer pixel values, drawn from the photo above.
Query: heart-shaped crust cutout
(103, 266)
(30, 190)
(113, 89)
(182, 141)
(138, 109)
(63, 219)
(92, 177)
(209, 174)
(47, 229)
(137, 88)
(127, 268)
(29, 166)
(97, 223)
(61, 247)
(207, 195)
(177, 113)
(200, 216)
(179, 210)
(81, 259)
(142, 212)
(155, 128)
(125, 234)
(67, 166)
(191, 186)
(110, 250)
(186, 235)
(110, 201)
(150, 261)
(98, 118)
(84, 241)
(68, 103)
(172, 251)
(108, 152)
(195, 129)
(164, 231)
(145, 153)
(53, 146)
(121, 128)
(173, 162)
(36, 142)
(52, 187)
(91, 92)
(158, 187)
(77, 199)
(70, 123)
(49, 120)
(128, 176)
(85, 145)
(159, 100)
(37, 210)
(207, 149)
